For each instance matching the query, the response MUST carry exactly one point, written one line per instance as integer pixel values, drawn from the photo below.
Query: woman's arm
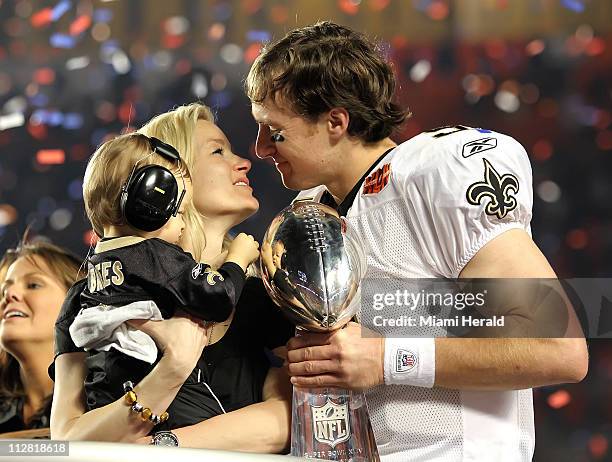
(261, 427)
(113, 422)
(181, 341)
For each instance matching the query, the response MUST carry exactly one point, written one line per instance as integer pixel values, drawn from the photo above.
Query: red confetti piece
(604, 140)
(172, 41)
(596, 47)
(438, 10)
(279, 14)
(348, 6)
(42, 18)
(252, 52)
(598, 445)
(577, 239)
(44, 76)
(378, 5)
(251, 6)
(559, 399)
(80, 24)
(37, 131)
(127, 113)
(90, 238)
(51, 156)
(542, 150)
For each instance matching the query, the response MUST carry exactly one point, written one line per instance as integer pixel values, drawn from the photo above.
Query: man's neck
(352, 163)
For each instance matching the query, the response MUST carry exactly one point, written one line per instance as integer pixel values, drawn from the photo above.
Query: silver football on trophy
(311, 267)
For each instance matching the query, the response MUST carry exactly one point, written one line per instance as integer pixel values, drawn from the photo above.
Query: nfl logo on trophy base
(331, 424)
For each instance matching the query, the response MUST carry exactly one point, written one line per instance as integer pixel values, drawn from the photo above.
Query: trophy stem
(331, 424)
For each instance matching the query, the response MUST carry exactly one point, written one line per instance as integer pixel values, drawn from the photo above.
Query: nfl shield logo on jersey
(330, 422)
(405, 360)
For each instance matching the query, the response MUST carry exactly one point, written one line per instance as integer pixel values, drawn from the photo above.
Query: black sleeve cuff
(236, 275)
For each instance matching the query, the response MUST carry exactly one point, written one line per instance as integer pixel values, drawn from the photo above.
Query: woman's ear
(337, 122)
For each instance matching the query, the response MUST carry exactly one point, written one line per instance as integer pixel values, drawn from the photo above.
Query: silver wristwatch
(165, 438)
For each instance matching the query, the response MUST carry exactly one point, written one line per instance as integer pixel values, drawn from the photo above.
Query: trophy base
(331, 424)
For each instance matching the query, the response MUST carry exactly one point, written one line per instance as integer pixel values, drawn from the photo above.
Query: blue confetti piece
(259, 36)
(62, 41)
(39, 100)
(421, 5)
(222, 12)
(75, 190)
(97, 136)
(55, 118)
(484, 130)
(72, 121)
(102, 15)
(46, 206)
(577, 6)
(221, 99)
(109, 46)
(59, 9)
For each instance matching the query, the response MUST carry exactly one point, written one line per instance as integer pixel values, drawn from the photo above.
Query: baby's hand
(243, 250)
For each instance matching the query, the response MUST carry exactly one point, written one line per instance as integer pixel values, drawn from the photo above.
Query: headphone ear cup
(148, 201)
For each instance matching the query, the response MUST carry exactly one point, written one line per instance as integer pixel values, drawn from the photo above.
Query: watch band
(165, 438)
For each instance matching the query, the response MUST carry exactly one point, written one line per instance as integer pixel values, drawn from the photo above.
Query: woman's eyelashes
(218, 151)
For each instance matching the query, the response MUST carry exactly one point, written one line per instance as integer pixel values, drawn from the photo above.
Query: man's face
(300, 148)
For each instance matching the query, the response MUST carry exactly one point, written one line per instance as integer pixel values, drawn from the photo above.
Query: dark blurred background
(74, 73)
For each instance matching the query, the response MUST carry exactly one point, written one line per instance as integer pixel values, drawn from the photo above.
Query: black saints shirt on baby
(130, 269)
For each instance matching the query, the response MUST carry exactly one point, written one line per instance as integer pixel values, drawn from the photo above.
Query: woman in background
(35, 278)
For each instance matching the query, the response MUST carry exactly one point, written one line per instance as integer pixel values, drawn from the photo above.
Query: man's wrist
(410, 361)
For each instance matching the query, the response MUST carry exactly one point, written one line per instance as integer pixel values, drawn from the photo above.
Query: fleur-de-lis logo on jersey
(210, 276)
(499, 189)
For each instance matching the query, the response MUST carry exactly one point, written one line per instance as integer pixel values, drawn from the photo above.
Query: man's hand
(344, 359)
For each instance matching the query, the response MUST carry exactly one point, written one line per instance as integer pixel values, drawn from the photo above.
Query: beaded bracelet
(145, 413)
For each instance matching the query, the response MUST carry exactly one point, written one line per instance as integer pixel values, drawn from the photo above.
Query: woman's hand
(181, 338)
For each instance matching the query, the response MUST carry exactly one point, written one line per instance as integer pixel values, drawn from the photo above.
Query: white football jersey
(424, 211)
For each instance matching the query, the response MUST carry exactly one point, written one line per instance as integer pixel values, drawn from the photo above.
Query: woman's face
(220, 184)
(31, 301)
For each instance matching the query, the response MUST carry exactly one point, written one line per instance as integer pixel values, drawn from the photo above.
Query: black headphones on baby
(150, 196)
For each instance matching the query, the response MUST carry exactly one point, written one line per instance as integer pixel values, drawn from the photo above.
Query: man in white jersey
(450, 203)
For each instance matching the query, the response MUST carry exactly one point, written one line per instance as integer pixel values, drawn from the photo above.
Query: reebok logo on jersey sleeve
(478, 146)
(377, 181)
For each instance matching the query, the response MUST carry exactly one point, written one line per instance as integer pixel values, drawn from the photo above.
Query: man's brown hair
(319, 67)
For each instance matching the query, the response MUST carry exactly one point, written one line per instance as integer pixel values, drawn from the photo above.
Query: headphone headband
(163, 149)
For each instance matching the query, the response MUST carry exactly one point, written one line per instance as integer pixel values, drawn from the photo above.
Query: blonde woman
(248, 400)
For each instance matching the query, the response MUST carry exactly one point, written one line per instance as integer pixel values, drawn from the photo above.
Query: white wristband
(410, 361)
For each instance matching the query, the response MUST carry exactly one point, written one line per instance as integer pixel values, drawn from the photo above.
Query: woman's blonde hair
(177, 127)
(64, 267)
(108, 170)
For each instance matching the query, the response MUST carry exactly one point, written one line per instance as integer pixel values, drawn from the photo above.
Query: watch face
(165, 439)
